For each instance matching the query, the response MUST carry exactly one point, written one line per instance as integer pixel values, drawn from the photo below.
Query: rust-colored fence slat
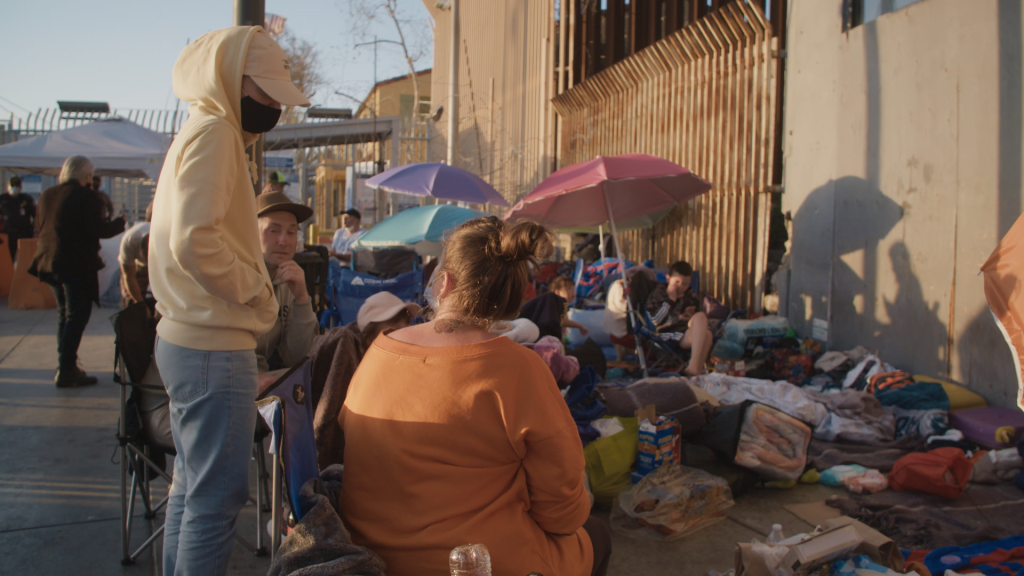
(704, 97)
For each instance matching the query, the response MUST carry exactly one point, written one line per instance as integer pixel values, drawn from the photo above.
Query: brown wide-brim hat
(280, 202)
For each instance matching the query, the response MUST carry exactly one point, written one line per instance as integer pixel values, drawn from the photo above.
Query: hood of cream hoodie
(206, 266)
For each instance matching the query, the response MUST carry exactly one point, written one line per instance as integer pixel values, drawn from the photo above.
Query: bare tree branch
(414, 45)
(304, 62)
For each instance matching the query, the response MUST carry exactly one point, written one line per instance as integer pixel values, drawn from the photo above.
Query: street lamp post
(377, 168)
(253, 13)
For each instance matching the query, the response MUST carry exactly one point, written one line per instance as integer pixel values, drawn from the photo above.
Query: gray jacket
(293, 332)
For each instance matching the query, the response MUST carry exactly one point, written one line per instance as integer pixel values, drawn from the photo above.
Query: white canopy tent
(116, 147)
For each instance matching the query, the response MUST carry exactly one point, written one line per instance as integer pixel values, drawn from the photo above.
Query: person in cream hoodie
(211, 284)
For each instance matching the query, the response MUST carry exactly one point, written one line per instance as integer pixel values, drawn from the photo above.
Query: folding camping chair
(386, 263)
(134, 335)
(349, 289)
(644, 329)
(287, 408)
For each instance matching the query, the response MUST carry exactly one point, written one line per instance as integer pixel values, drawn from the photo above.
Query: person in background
(71, 224)
(674, 308)
(291, 337)
(213, 290)
(134, 260)
(108, 205)
(615, 322)
(276, 182)
(344, 237)
(19, 212)
(456, 435)
(550, 311)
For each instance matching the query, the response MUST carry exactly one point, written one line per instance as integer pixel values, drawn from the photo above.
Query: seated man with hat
(291, 338)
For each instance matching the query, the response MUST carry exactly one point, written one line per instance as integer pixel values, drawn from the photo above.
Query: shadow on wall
(837, 236)
(986, 361)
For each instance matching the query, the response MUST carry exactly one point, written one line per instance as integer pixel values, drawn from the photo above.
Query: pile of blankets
(848, 416)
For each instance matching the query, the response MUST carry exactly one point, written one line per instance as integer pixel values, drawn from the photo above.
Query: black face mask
(258, 118)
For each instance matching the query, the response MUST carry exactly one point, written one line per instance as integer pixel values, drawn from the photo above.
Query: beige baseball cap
(267, 65)
(383, 306)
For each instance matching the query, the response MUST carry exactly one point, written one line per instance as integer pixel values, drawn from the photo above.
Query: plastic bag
(742, 336)
(871, 481)
(855, 478)
(773, 444)
(670, 503)
(609, 462)
(834, 476)
(859, 566)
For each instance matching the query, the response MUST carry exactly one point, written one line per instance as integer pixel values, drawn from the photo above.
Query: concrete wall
(903, 155)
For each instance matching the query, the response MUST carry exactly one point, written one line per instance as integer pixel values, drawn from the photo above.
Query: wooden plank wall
(704, 97)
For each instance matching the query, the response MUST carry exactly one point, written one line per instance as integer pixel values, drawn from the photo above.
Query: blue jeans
(213, 417)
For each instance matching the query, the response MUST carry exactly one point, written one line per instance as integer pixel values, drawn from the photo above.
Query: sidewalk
(59, 473)
(60, 487)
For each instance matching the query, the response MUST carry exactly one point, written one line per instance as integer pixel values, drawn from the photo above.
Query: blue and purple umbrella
(439, 181)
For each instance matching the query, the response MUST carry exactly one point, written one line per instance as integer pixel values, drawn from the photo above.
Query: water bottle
(470, 560)
(773, 539)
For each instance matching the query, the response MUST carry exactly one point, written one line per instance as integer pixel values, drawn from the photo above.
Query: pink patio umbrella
(609, 189)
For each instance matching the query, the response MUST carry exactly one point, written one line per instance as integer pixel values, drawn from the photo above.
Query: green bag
(610, 461)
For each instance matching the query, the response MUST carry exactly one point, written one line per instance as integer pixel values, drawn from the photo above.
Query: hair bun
(524, 241)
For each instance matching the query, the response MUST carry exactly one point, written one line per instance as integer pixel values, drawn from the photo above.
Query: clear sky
(122, 51)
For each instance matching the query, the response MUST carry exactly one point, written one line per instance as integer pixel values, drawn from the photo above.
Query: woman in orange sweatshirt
(456, 436)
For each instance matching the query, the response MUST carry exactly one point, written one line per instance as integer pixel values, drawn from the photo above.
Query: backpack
(886, 380)
(942, 472)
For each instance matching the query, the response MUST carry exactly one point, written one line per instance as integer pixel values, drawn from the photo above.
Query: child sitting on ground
(550, 310)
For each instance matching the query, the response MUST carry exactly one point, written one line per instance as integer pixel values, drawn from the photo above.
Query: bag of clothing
(761, 438)
(942, 472)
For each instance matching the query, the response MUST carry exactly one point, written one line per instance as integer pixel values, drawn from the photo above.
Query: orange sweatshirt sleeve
(553, 458)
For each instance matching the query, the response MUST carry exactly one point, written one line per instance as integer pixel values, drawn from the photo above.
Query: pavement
(60, 476)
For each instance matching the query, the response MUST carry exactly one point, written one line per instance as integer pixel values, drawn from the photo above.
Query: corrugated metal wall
(704, 97)
(505, 89)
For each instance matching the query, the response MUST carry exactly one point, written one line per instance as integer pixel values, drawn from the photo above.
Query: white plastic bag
(670, 503)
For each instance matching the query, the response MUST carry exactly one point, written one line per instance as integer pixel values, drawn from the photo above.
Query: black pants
(74, 306)
(12, 242)
(602, 542)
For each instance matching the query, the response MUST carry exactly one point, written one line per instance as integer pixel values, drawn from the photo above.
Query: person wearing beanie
(214, 293)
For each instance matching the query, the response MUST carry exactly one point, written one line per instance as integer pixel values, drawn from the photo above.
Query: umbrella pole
(622, 270)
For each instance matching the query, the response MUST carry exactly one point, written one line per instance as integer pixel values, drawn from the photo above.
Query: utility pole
(453, 87)
(253, 13)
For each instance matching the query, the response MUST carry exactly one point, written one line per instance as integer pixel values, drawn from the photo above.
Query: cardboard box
(659, 442)
(748, 563)
(875, 545)
(872, 543)
(807, 556)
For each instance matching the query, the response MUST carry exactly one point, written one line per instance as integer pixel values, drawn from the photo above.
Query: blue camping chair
(645, 331)
(287, 408)
(348, 290)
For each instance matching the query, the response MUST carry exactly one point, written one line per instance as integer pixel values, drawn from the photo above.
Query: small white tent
(116, 147)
